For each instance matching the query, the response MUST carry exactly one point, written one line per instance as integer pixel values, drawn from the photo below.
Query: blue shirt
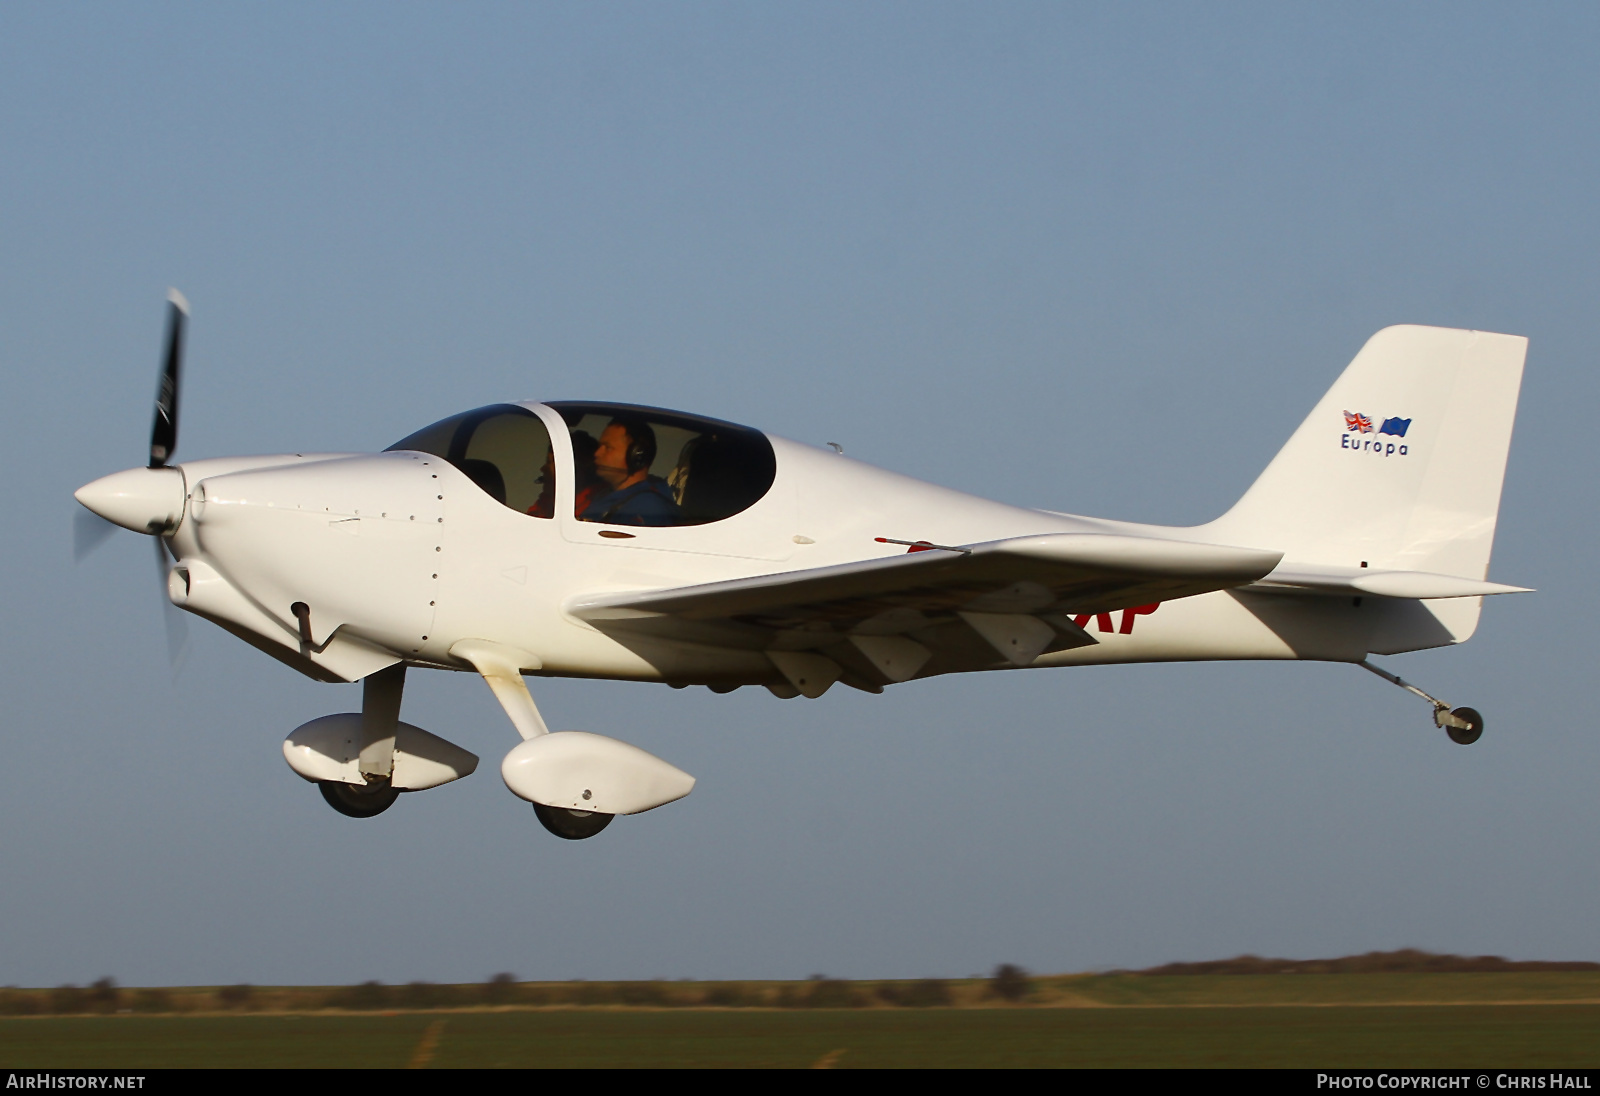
(648, 502)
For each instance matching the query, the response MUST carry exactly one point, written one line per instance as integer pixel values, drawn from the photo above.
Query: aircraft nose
(146, 500)
(357, 540)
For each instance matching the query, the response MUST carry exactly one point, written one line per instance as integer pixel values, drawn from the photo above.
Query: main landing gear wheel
(569, 824)
(358, 800)
(1466, 736)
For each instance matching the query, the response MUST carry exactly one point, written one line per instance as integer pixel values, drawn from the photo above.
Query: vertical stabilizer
(1400, 464)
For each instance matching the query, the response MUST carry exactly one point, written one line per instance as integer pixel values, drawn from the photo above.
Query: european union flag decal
(1397, 427)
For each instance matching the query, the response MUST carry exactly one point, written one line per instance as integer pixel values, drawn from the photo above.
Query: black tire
(571, 825)
(358, 800)
(1466, 736)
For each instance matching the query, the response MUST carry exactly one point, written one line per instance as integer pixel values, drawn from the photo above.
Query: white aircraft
(610, 541)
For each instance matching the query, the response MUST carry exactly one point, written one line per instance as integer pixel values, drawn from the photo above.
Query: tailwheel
(1463, 725)
(570, 824)
(1468, 734)
(358, 800)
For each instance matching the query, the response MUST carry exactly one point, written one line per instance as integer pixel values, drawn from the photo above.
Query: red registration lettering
(1136, 611)
(1103, 620)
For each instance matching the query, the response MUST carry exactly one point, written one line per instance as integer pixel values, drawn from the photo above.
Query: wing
(943, 609)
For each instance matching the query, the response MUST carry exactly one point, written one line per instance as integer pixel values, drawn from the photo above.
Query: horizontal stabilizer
(1377, 583)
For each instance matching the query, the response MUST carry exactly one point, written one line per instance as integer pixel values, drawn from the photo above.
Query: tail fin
(1400, 464)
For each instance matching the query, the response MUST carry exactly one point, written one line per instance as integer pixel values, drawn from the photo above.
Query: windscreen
(503, 448)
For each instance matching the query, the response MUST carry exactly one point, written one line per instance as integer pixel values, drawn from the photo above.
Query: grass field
(1450, 1036)
(1452, 1020)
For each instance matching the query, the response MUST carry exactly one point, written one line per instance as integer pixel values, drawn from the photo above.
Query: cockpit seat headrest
(718, 479)
(486, 474)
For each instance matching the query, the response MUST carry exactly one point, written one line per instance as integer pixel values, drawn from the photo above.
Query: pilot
(622, 460)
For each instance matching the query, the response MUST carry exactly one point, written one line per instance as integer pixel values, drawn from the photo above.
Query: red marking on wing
(1136, 611)
(1103, 620)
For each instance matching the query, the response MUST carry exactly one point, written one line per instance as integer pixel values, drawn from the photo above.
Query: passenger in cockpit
(626, 451)
(587, 486)
(545, 505)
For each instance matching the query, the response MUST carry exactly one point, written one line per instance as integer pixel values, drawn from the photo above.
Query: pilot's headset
(641, 444)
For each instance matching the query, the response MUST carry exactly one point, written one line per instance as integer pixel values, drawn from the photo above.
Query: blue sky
(1094, 258)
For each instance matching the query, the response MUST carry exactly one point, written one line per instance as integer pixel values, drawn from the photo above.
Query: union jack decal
(1355, 420)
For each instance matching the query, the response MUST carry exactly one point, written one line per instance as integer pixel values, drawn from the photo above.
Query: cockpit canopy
(633, 465)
